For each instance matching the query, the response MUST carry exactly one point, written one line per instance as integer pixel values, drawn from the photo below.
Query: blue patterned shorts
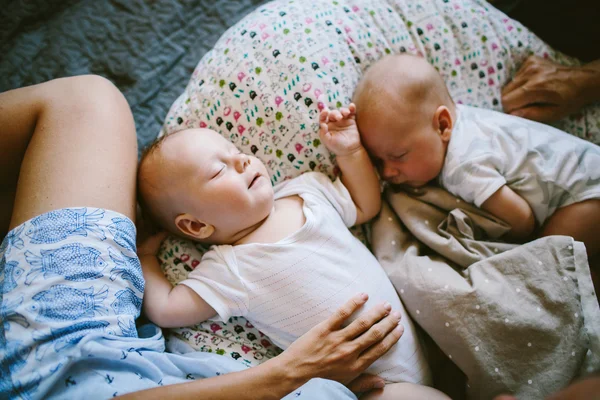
(71, 288)
(65, 275)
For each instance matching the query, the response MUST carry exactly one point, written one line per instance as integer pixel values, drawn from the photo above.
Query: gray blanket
(515, 319)
(147, 48)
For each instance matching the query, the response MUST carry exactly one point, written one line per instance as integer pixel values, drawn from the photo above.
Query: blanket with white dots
(514, 319)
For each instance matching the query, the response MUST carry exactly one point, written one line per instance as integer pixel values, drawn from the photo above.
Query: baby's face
(229, 189)
(404, 146)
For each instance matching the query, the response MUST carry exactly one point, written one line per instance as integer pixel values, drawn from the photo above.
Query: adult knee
(98, 96)
(91, 84)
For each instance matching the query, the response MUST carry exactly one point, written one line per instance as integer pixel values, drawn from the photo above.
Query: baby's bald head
(402, 80)
(197, 184)
(405, 116)
(164, 172)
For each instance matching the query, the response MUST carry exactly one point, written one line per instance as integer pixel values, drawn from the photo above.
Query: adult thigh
(83, 151)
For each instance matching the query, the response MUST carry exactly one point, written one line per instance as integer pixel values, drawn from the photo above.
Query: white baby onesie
(547, 167)
(288, 287)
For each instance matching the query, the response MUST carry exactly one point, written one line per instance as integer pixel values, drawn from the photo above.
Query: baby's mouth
(254, 180)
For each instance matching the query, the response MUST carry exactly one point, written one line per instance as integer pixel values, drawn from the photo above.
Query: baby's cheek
(419, 171)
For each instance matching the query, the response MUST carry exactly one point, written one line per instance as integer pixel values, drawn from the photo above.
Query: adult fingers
(531, 67)
(344, 312)
(532, 83)
(516, 83)
(366, 320)
(540, 113)
(528, 95)
(520, 77)
(366, 382)
(379, 331)
(377, 350)
(515, 99)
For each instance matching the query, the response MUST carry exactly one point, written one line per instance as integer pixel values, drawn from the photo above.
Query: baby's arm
(512, 209)
(339, 132)
(165, 305)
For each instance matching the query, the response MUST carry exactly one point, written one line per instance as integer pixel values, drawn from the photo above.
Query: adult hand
(545, 91)
(339, 353)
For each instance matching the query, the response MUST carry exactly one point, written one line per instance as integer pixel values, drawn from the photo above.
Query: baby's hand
(151, 244)
(339, 132)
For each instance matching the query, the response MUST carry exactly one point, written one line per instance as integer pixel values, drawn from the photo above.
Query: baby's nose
(389, 173)
(242, 162)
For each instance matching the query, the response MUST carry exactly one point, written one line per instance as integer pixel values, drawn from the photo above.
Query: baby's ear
(443, 122)
(192, 227)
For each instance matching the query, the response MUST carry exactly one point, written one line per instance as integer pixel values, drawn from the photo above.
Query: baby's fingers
(335, 116)
(151, 245)
(324, 117)
(352, 109)
(345, 112)
(324, 130)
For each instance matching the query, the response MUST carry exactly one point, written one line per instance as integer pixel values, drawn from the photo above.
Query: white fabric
(286, 288)
(547, 167)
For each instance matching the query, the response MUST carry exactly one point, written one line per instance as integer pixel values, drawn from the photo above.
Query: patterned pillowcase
(267, 78)
(265, 81)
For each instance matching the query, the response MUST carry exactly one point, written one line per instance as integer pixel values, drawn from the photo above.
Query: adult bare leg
(66, 143)
(7, 197)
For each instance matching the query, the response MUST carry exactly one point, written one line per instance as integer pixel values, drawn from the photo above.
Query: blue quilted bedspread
(148, 48)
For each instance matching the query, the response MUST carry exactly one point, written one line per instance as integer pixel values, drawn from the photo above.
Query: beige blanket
(515, 319)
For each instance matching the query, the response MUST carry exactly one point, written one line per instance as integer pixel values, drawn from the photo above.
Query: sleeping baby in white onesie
(282, 257)
(538, 179)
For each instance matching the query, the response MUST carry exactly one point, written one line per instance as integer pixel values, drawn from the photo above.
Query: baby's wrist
(350, 153)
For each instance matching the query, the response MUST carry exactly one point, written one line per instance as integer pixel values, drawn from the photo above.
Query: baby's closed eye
(399, 157)
(218, 172)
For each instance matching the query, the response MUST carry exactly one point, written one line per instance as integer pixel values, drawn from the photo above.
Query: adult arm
(545, 91)
(327, 351)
